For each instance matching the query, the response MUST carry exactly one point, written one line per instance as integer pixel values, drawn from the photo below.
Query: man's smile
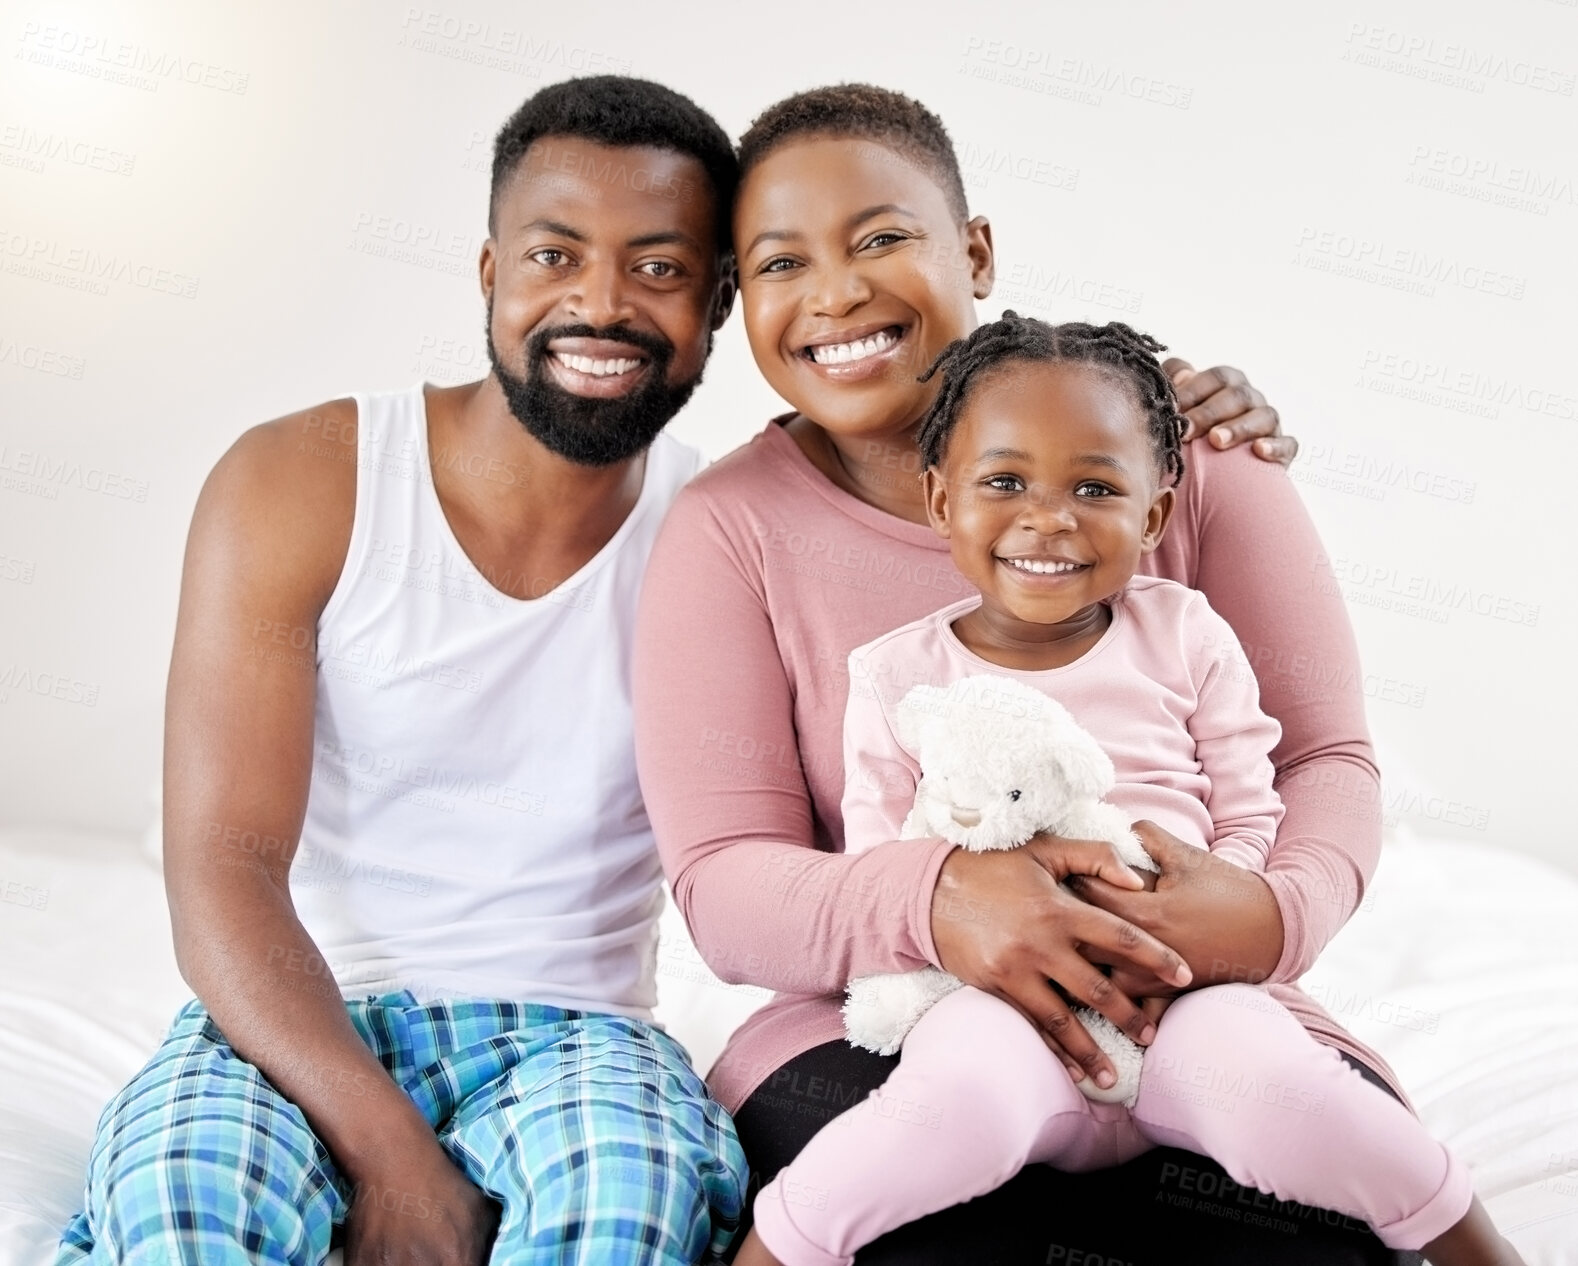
(594, 366)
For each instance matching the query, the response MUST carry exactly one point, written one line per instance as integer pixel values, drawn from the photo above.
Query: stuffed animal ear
(919, 712)
(1087, 770)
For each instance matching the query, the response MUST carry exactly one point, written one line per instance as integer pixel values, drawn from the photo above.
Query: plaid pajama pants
(592, 1131)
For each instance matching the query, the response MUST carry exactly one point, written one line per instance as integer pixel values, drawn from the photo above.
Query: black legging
(1164, 1208)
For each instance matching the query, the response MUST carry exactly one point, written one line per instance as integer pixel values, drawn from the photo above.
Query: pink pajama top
(1165, 692)
(763, 579)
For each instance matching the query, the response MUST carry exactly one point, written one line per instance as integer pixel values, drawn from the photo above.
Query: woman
(857, 266)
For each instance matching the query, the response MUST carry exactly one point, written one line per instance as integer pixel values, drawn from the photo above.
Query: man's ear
(936, 493)
(1157, 518)
(983, 259)
(487, 266)
(723, 293)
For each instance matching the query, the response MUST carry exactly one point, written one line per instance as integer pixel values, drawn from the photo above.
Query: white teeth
(597, 368)
(859, 349)
(1041, 569)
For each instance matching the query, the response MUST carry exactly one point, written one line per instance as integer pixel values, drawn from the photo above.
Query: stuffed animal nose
(965, 817)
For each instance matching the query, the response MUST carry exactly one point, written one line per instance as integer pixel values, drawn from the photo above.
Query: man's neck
(527, 517)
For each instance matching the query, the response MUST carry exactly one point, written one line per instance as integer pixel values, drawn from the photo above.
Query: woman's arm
(1256, 556)
(720, 771)
(1263, 568)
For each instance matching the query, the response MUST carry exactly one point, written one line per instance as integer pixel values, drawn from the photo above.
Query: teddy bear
(999, 761)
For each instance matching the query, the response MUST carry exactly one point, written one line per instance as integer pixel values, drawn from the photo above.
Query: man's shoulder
(316, 445)
(288, 486)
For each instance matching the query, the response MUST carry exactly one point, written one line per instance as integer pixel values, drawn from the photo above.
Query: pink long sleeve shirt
(1165, 692)
(764, 578)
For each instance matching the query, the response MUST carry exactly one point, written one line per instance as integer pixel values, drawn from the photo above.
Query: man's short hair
(619, 110)
(865, 112)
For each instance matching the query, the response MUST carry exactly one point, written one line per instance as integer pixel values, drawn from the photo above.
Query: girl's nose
(1047, 511)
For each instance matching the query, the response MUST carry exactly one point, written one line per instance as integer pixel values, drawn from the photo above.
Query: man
(402, 645)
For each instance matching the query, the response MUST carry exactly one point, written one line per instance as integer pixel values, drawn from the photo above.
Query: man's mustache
(655, 346)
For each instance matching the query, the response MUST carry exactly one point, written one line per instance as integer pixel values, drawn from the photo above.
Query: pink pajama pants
(1231, 1075)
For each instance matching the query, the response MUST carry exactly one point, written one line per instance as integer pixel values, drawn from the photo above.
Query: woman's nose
(838, 291)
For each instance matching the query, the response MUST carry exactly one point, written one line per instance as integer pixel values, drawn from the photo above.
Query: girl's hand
(1005, 923)
(1222, 918)
(1222, 403)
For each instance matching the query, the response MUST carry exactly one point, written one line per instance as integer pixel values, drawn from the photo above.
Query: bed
(1458, 968)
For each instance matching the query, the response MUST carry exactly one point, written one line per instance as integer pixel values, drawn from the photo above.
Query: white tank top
(474, 827)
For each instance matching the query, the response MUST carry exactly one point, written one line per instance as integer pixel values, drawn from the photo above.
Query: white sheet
(1459, 969)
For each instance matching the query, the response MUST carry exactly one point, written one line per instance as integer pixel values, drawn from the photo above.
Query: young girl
(1051, 455)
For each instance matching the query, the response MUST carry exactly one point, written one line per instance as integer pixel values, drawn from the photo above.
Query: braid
(1116, 346)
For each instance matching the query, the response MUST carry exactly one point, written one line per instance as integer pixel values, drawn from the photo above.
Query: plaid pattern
(592, 1131)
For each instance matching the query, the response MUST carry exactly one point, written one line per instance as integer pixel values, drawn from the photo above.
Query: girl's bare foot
(754, 1253)
(1474, 1241)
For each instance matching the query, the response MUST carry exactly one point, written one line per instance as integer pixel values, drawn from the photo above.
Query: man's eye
(548, 256)
(659, 268)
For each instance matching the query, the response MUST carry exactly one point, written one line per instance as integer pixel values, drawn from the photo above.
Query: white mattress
(1459, 969)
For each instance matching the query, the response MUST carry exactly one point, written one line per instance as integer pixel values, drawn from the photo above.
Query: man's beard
(587, 430)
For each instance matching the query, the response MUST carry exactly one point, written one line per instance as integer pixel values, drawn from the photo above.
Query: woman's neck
(882, 471)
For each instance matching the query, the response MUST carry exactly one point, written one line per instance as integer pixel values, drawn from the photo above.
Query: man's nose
(601, 296)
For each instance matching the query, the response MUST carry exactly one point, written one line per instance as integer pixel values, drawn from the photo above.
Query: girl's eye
(1090, 488)
(1005, 483)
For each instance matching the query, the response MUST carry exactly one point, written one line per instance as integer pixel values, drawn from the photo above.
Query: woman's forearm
(1326, 850)
(799, 920)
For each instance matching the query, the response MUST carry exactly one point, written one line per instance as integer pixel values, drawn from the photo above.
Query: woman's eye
(778, 264)
(885, 239)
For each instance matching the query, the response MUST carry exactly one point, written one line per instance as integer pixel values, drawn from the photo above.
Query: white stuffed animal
(999, 762)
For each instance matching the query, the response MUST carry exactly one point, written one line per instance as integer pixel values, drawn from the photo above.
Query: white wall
(1192, 169)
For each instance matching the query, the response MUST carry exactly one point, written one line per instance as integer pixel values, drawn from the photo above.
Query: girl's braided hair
(1122, 350)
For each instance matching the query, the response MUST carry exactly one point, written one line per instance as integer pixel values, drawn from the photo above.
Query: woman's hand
(1222, 918)
(1004, 922)
(1221, 402)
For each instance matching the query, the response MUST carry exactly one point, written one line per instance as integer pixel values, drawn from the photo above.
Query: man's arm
(268, 540)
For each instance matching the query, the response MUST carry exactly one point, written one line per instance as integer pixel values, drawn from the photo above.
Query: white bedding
(1459, 969)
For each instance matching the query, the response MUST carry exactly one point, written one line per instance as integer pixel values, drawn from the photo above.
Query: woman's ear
(983, 259)
(1157, 518)
(936, 493)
